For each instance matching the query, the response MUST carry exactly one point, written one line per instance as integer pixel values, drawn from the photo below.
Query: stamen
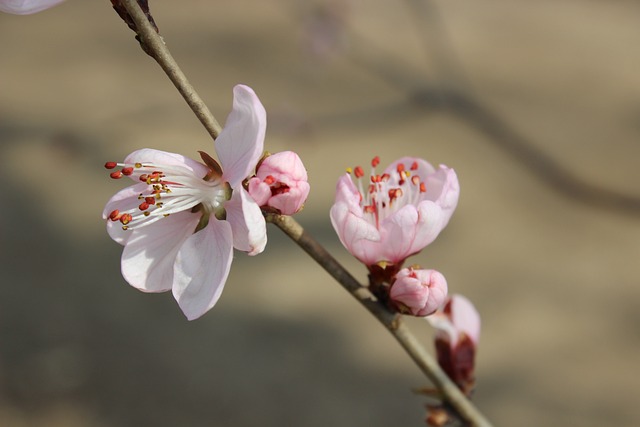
(358, 172)
(110, 165)
(376, 161)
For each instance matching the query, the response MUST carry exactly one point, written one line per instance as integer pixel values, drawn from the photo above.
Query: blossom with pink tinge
(458, 333)
(390, 216)
(26, 7)
(180, 222)
(280, 183)
(418, 292)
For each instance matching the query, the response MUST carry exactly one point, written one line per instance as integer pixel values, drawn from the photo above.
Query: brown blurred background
(535, 104)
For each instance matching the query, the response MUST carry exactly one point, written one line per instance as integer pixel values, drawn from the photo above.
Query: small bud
(280, 183)
(418, 292)
(458, 332)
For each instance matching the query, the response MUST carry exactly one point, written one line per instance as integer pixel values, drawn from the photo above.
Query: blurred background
(535, 104)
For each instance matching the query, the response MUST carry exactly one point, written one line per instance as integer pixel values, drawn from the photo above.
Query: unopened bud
(280, 183)
(458, 332)
(418, 292)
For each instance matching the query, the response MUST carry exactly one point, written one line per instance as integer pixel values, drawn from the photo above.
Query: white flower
(180, 223)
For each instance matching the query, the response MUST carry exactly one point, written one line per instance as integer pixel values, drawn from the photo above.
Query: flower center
(385, 194)
(170, 189)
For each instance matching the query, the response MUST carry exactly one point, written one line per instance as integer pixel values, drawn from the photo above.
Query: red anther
(415, 180)
(414, 166)
(385, 177)
(143, 206)
(110, 165)
(114, 215)
(376, 178)
(127, 171)
(126, 219)
(150, 200)
(269, 180)
(369, 209)
(358, 172)
(400, 167)
(423, 187)
(395, 193)
(376, 161)
(143, 177)
(116, 174)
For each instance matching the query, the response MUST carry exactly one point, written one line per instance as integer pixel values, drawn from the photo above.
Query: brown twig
(153, 45)
(392, 321)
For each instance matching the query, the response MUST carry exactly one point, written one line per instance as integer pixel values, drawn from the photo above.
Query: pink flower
(418, 292)
(180, 222)
(280, 183)
(395, 214)
(458, 333)
(26, 7)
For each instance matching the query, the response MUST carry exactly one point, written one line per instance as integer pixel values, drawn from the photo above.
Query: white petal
(150, 252)
(247, 222)
(160, 158)
(201, 268)
(26, 7)
(241, 142)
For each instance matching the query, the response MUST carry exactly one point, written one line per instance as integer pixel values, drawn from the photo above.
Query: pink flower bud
(280, 183)
(418, 292)
(26, 7)
(458, 332)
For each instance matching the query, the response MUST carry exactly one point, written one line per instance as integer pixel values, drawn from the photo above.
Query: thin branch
(392, 321)
(153, 45)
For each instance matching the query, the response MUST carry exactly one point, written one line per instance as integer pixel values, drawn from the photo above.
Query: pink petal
(444, 189)
(291, 202)
(247, 222)
(346, 192)
(241, 142)
(260, 192)
(160, 158)
(398, 234)
(26, 7)
(125, 199)
(358, 236)
(202, 267)
(431, 221)
(150, 251)
(465, 317)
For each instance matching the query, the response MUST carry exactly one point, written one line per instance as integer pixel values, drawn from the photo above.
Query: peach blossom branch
(392, 321)
(153, 45)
